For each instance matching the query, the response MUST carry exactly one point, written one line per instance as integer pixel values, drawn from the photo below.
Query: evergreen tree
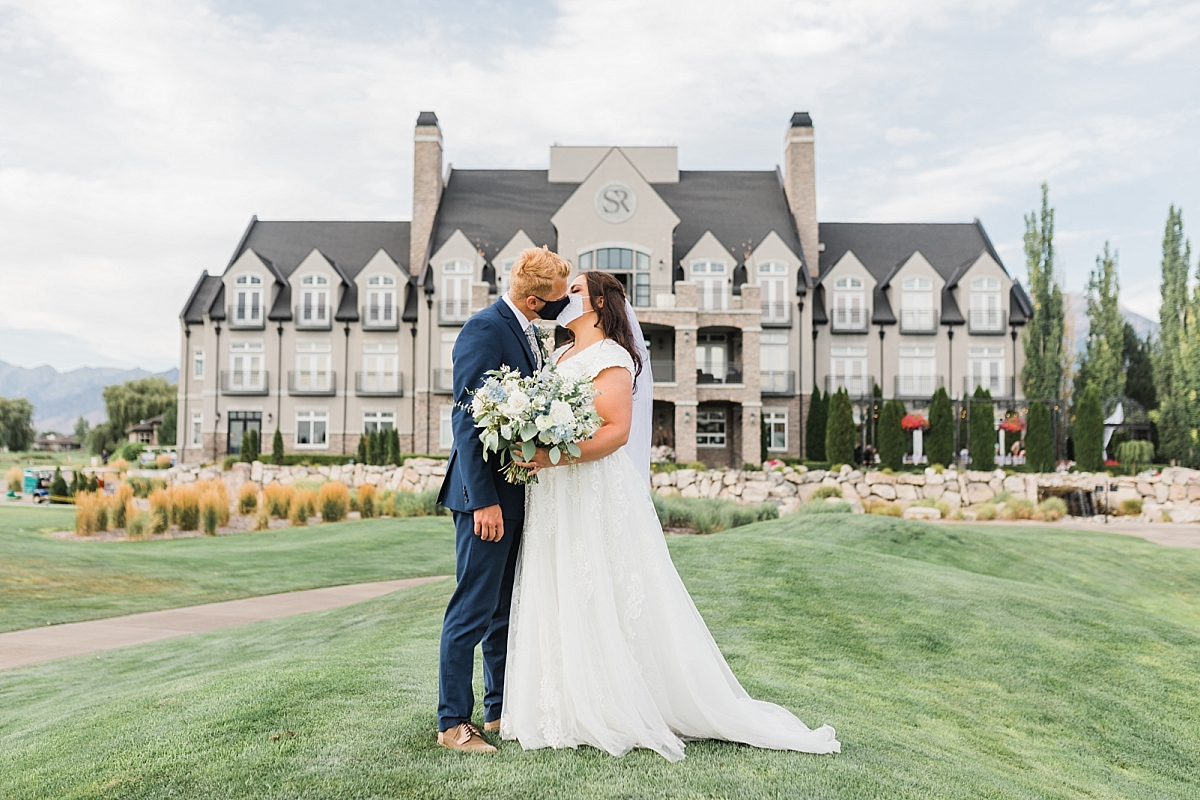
(1042, 374)
(890, 435)
(393, 448)
(839, 429)
(170, 422)
(253, 456)
(982, 442)
(277, 448)
(82, 429)
(1139, 371)
(1039, 438)
(373, 448)
(1176, 378)
(1089, 431)
(939, 442)
(58, 487)
(1104, 357)
(814, 428)
(16, 424)
(74, 487)
(244, 451)
(362, 449)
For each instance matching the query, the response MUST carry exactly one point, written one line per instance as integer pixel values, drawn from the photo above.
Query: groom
(488, 511)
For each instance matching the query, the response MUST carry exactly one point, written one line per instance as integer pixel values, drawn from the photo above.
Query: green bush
(58, 487)
(709, 515)
(939, 441)
(415, 504)
(839, 429)
(1134, 453)
(1053, 508)
(1039, 439)
(882, 508)
(982, 444)
(814, 427)
(277, 453)
(987, 511)
(1089, 431)
(131, 452)
(892, 441)
(142, 487)
(1129, 508)
(826, 508)
(823, 492)
(393, 448)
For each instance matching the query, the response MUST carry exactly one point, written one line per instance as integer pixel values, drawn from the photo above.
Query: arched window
(916, 306)
(849, 307)
(314, 308)
(247, 300)
(987, 315)
(631, 267)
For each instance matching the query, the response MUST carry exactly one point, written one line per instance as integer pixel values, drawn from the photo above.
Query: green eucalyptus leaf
(555, 454)
(528, 450)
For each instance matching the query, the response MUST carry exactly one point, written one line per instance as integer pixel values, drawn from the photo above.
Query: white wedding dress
(605, 646)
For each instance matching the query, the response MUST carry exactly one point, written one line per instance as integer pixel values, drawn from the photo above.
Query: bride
(605, 645)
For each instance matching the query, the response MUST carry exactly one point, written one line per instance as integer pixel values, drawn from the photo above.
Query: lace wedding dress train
(606, 647)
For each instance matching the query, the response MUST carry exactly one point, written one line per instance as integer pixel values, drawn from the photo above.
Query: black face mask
(552, 308)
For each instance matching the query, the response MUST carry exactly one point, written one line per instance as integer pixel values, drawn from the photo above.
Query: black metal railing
(986, 321)
(452, 311)
(917, 386)
(728, 375)
(996, 385)
(380, 318)
(245, 382)
(780, 383)
(851, 320)
(313, 318)
(776, 312)
(443, 381)
(855, 385)
(246, 317)
(317, 383)
(918, 320)
(664, 370)
(379, 384)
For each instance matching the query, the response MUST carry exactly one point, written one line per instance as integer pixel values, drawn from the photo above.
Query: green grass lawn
(43, 579)
(955, 662)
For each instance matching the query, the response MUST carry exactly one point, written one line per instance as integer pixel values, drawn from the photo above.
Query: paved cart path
(38, 645)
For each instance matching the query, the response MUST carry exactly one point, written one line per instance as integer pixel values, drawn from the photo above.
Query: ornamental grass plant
(365, 497)
(137, 522)
(304, 506)
(87, 513)
(278, 497)
(185, 507)
(119, 503)
(247, 498)
(416, 504)
(160, 511)
(333, 500)
(709, 515)
(15, 478)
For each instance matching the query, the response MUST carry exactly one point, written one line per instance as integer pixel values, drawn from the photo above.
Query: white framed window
(198, 363)
(848, 370)
(197, 428)
(312, 429)
(313, 366)
(986, 312)
(776, 421)
(314, 299)
(443, 375)
(710, 427)
(247, 299)
(246, 365)
(380, 367)
(504, 275)
(456, 290)
(711, 278)
(381, 300)
(849, 307)
(918, 372)
(446, 427)
(631, 267)
(916, 305)
(985, 367)
(772, 282)
(773, 361)
(378, 421)
(712, 358)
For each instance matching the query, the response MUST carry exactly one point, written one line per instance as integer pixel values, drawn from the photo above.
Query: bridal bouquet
(515, 415)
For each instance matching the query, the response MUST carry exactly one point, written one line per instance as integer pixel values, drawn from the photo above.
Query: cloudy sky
(139, 137)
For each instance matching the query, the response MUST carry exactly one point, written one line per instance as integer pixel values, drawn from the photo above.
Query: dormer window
(987, 314)
(849, 307)
(380, 308)
(504, 274)
(456, 290)
(711, 281)
(247, 300)
(916, 306)
(772, 282)
(313, 308)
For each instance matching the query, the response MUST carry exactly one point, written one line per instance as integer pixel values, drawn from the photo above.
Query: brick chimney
(427, 186)
(800, 184)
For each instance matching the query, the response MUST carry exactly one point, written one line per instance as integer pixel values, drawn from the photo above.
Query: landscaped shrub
(277, 448)
(891, 436)
(1089, 431)
(86, 514)
(839, 429)
(247, 498)
(120, 501)
(1131, 507)
(131, 452)
(1039, 439)
(365, 495)
(709, 515)
(160, 511)
(136, 521)
(393, 447)
(362, 449)
(334, 501)
(142, 487)
(15, 477)
(210, 512)
(262, 520)
(277, 497)
(823, 492)
(939, 442)
(302, 507)
(58, 487)
(162, 461)
(185, 507)
(416, 504)
(987, 511)
(121, 465)
(1052, 508)
(840, 507)
(882, 508)
(814, 427)
(982, 441)
(1018, 508)
(1134, 453)
(929, 502)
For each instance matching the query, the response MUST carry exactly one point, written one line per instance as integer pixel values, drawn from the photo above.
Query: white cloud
(903, 136)
(1128, 32)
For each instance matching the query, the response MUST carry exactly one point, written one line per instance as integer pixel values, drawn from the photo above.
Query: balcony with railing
(453, 311)
(312, 384)
(996, 385)
(918, 320)
(855, 385)
(848, 320)
(719, 375)
(986, 321)
(776, 314)
(245, 382)
(443, 381)
(313, 318)
(917, 386)
(778, 383)
(380, 318)
(379, 384)
(246, 318)
(664, 370)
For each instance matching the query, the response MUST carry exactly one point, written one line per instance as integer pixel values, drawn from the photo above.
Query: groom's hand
(489, 523)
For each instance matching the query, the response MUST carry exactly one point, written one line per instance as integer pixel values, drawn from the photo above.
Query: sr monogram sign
(615, 202)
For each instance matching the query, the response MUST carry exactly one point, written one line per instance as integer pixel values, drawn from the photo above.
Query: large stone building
(329, 329)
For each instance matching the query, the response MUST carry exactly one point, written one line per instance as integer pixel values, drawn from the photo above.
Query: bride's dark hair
(608, 298)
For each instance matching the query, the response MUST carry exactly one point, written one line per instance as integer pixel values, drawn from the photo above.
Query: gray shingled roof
(201, 298)
(350, 245)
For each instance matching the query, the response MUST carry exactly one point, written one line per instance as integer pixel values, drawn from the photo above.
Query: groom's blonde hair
(534, 273)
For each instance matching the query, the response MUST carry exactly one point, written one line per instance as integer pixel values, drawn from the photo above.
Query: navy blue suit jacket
(489, 340)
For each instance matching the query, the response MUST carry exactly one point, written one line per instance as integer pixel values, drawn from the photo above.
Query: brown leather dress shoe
(492, 727)
(464, 737)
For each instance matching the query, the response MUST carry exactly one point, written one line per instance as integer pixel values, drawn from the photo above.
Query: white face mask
(572, 312)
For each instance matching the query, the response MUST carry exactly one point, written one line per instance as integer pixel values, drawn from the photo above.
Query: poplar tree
(839, 429)
(940, 439)
(814, 428)
(1042, 374)
(1176, 376)
(982, 441)
(1039, 438)
(1089, 431)
(891, 436)
(1104, 359)
(393, 447)
(277, 448)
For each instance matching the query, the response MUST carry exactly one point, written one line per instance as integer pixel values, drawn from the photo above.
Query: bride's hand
(540, 460)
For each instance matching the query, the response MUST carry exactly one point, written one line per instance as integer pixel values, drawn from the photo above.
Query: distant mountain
(61, 398)
(1078, 323)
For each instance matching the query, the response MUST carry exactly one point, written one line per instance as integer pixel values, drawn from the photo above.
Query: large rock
(922, 512)
(911, 479)
(684, 478)
(906, 492)
(935, 490)
(754, 493)
(979, 493)
(952, 499)
(874, 478)
(884, 490)
(1015, 484)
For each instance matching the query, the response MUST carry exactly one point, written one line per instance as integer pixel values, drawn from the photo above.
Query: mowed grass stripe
(942, 682)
